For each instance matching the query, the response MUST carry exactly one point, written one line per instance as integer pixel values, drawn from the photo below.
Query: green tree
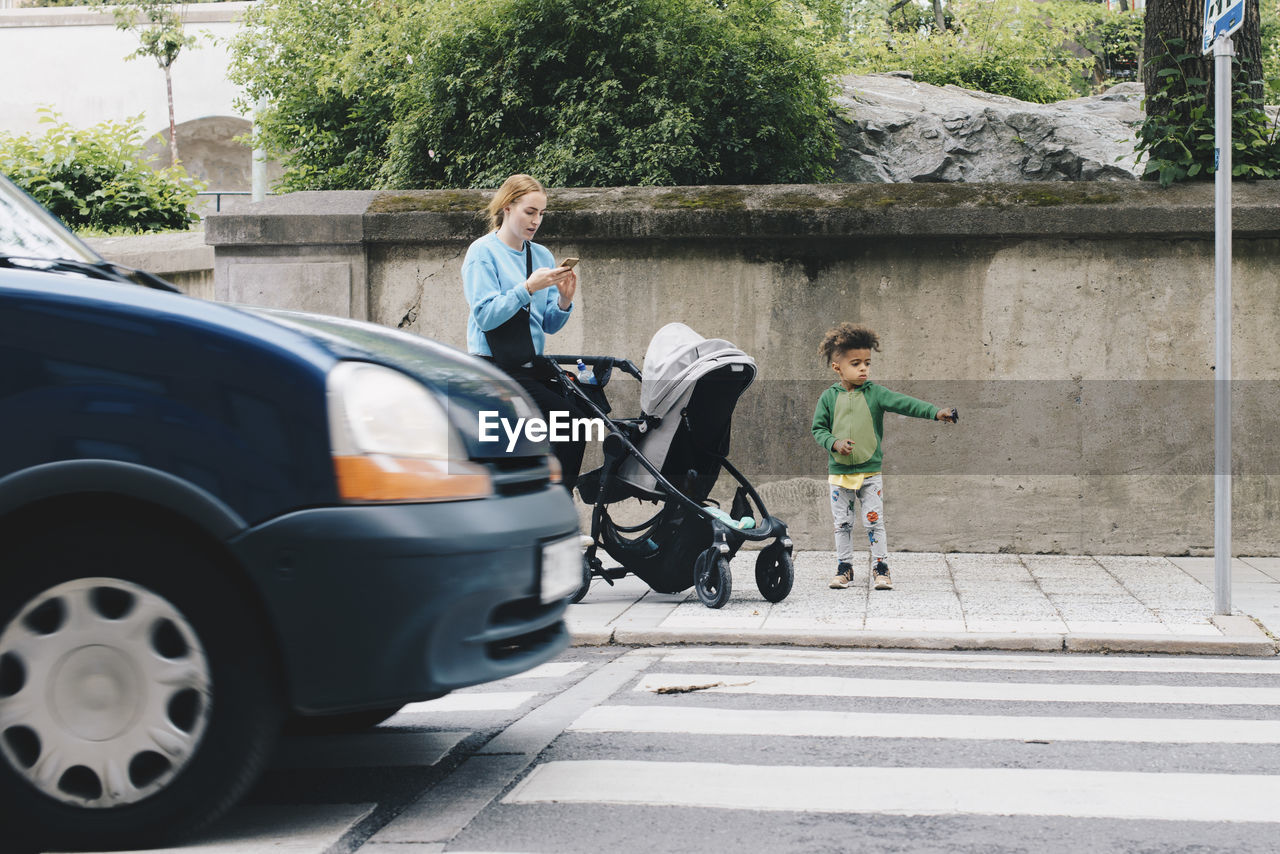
(451, 93)
(158, 26)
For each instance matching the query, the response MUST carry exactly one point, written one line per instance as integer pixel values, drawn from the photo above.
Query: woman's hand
(568, 286)
(843, 447)
(545, 277)
(564, 279)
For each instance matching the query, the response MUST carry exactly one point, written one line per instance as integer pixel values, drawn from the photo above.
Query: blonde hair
(513, 188)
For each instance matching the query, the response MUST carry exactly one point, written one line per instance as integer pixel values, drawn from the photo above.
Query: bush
(98, 178)
(461, 93)
(947, 59)
(1033, 51)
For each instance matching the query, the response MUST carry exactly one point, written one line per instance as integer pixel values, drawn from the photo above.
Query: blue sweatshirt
(493, 277)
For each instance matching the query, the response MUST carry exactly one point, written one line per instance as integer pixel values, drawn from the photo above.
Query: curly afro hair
(846, 336)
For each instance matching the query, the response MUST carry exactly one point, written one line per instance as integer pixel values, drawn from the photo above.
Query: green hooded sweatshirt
(858, 414)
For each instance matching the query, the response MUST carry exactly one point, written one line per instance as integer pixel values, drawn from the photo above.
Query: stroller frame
(711, 578)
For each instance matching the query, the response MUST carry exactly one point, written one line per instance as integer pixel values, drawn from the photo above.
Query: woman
(518, 296)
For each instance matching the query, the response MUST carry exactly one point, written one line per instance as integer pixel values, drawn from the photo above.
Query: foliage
(1033, 51)
(330, 70)
(97, 177)
(1180, 150)
(158, 26)
(1117, 42)
(1270, 32)
(1014, 48)
(457, 93)
(39, 3)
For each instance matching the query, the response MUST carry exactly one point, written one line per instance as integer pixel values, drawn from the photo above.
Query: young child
(849, 424)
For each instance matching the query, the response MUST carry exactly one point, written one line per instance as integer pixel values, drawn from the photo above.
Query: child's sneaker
(880, 575)
(844, 576)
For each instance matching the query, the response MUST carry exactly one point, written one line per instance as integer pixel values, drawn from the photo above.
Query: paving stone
(1269, 566)
(1103, 585)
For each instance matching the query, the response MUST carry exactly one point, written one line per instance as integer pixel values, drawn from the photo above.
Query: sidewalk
(961, 601)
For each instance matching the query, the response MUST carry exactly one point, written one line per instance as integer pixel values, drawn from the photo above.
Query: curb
(1240, 642)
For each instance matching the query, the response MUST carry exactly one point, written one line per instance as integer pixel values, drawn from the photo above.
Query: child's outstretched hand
(950, 414)
(843, 446)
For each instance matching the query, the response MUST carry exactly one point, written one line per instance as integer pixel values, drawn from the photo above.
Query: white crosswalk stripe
(479, 701)
(793, 722)
(907, 791)
(836, 686)
(550, 670)
(1058, 662)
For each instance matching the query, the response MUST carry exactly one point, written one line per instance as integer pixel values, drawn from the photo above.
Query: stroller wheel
(712, 579)
(774, 573)
(586, 582)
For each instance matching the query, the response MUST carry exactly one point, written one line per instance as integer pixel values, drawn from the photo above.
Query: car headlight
(391, 440)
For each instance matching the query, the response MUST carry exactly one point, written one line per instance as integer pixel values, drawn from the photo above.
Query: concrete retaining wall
(183, 259)
(1072, 325)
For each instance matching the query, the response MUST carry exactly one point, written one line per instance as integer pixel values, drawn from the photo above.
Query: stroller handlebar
(624, 365)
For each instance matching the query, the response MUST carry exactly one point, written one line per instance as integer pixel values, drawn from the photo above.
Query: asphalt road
(790, 750)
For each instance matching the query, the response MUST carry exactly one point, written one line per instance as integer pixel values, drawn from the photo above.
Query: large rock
(897, 130)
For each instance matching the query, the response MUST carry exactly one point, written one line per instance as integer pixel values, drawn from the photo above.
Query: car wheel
(137, 700)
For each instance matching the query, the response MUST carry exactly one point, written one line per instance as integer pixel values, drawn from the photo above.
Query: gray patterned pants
(842, 510)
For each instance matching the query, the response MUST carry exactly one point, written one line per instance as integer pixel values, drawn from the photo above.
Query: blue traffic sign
(1221, 18)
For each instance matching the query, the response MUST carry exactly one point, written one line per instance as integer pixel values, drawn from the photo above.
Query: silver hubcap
(104, 692)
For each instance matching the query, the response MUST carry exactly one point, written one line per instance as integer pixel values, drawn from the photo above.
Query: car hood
(465, 385)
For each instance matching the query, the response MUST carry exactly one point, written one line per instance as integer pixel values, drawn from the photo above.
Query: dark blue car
(215, 518)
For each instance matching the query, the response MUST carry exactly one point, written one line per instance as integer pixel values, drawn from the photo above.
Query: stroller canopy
(676, 359)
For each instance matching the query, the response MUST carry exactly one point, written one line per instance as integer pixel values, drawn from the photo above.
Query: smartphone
(569, 262)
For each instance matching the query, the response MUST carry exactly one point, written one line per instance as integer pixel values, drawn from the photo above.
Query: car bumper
(376, 606)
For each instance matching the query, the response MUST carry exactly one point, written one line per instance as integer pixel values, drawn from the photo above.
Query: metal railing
(218, 194)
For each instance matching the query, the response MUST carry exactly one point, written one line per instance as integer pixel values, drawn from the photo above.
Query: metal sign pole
(1223, 51)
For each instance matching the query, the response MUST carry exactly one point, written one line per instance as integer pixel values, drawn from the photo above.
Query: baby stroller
(672, 454)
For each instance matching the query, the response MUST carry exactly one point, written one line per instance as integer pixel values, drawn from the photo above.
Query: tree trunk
(1184, 19)
(938, 17)
(173, 129)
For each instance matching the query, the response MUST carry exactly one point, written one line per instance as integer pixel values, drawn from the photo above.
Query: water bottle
(740, 524)
(586, 376)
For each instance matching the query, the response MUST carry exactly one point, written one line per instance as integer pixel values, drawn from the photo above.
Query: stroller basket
(673, 454)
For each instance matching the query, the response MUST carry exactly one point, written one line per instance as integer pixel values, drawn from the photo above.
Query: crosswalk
(786, 749)
(1013, 740)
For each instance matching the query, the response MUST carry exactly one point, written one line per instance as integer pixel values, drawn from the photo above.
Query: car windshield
(29, 231)
(33, 238)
